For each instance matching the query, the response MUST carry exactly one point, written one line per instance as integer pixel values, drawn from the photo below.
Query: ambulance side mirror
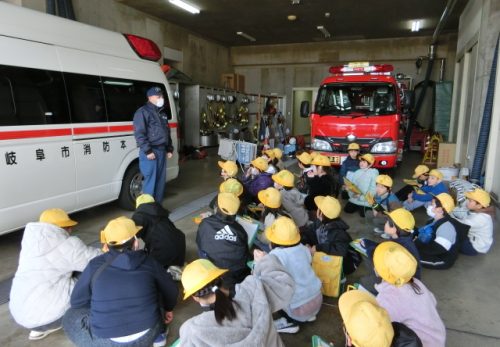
(304, 109)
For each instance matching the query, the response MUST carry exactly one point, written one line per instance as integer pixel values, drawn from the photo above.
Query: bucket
(449, 173)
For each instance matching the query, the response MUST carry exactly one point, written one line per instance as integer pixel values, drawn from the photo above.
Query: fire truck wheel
(131, 187)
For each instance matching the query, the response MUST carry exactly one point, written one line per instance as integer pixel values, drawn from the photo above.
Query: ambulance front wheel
(131, 187)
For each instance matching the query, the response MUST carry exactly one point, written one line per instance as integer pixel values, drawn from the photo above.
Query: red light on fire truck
(361, 68)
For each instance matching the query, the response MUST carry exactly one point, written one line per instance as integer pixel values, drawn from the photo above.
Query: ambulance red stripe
(31, 134)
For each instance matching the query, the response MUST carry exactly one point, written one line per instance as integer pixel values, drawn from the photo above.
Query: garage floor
(468, 296)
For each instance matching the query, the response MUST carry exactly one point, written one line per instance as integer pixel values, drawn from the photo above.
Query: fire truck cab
(358, 103)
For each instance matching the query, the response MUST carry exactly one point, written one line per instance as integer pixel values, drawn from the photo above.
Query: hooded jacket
(268, 290)
(125, 297)
(151, 129)
(293, 203)
(258, 183)
(43, 281)
(163, 240)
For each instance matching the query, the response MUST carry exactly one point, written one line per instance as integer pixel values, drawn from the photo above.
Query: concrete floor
(467, 294)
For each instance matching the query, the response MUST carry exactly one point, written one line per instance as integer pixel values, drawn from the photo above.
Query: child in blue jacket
(435, 186)
(351, 163)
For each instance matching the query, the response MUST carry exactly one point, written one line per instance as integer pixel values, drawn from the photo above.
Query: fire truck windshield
(356, 99)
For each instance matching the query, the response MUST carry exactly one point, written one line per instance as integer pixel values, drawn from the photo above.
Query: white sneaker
(378, 231)
(38, 335)
(282, 325)
(385, 236)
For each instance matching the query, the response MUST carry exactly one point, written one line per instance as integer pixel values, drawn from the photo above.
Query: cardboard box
(446, 154)
(233, 81)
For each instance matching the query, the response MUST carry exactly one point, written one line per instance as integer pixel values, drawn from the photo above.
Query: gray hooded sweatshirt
(267, 290)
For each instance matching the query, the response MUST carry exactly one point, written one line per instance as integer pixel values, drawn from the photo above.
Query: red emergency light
(345, 69)
(145, 48)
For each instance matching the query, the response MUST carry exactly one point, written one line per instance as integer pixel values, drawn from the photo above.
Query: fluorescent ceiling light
(248, 37)
(185, 6)
(324, 31)
(415, 25)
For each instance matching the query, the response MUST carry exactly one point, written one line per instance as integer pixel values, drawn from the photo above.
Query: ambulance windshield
(358, 99)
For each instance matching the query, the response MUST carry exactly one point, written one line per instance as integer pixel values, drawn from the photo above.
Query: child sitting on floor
(480, 219)
(330, 236)
(439, 241)
(291, 199)
(350, 164)
(319, 180)
(406, 299)
(296, 258)
(364, 180)
(384, 201)
(256, 178)
(304, 162)
(424, 196)
(421, 174)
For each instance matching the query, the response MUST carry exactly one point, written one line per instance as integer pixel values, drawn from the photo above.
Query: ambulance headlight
(321, 145)
(385, 147)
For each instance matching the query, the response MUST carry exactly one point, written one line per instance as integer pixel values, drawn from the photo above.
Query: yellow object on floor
(329, 270)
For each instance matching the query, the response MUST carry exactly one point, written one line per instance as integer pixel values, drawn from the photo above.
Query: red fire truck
(358, 103)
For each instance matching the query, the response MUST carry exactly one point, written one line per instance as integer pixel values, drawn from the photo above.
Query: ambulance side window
(124, 97)
(86, 98)
(32, 96)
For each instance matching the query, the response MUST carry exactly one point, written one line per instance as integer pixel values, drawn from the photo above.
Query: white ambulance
(68, 93)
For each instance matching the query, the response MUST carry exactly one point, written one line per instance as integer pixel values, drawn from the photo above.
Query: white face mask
(254, 171)
(160, 102)
(430, 211)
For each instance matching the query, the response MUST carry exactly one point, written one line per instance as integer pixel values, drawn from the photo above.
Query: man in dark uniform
(152, 134)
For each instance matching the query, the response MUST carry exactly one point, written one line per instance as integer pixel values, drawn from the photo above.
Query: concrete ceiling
(266, 20)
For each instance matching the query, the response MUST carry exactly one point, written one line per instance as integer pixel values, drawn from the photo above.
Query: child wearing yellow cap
(439, 241)
(304, 160)
(350, 164)
(319, 180)
(406, 298)
(257, 178)
(331, 236)
(424, 197)
(223, 240)
(163, 241)
(270, 156)
(305, 304)
(364, 179)
(420, 175)
(366, 324)
(42, 284)
(291, 199)
(480, 219)
(384, 201)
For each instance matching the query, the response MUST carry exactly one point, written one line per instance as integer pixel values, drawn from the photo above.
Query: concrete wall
(204, 60)
(280, 68)
(478, 30)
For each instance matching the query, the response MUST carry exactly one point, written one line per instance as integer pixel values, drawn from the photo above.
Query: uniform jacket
(268, 290)
(151, 129)
(43, 281)
(364, 179)
(124, 299)
(163, 240)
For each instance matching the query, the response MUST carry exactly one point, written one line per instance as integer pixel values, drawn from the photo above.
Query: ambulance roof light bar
(362, 69)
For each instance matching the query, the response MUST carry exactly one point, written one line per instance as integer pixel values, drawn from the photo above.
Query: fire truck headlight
(385, 147)
(321, 145)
